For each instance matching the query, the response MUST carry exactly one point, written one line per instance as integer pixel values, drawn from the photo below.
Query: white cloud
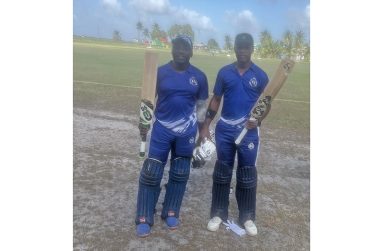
(180, 15)
(308, 11)
(112, 4)
(195, 19)
(113, 7)
(152, 6)
(243, 21)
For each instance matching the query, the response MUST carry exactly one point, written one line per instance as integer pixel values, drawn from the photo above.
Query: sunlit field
(102, 62)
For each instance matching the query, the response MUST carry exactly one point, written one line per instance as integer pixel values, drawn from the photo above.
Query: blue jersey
(240, 92)
(177, 95)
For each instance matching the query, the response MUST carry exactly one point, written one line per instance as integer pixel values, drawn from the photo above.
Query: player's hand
(203, 153)
(198, 160)
(251, 123)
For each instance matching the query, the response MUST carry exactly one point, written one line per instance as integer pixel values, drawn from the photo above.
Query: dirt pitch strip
(106, 171)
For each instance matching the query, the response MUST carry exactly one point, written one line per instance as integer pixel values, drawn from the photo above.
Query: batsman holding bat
(241, 84)
(182, 91)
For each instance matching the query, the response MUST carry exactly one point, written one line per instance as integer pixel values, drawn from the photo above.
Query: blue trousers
(181, 147)
(246, 174)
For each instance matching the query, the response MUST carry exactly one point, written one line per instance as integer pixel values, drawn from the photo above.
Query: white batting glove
(203, 153)
(208, 148)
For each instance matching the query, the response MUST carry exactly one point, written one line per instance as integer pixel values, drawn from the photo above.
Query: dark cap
(183, 39)
(244, 40)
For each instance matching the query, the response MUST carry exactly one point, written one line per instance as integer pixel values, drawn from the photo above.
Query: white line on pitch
(291, 100)
(139, 87)
(97, 83)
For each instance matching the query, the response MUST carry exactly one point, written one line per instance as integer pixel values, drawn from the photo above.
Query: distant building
(200, 46)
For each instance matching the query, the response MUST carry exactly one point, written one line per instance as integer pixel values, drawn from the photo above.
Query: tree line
(292, 45)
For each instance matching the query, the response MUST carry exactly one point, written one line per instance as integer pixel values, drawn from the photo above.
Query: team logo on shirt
(191, 140)
(193, 81)
(253, 82)
(251, 146)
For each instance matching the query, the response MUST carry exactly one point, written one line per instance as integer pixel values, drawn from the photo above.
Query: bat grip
(142, 149)
(240, 136)
(143, 145)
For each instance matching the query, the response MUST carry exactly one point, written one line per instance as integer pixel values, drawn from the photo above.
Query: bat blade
(148, 93)
(279, 78)
(271, 90)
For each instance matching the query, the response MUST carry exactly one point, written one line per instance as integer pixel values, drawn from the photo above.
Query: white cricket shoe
(214, 223)
(251, 228)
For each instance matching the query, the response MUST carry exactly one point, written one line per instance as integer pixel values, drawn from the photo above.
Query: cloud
(195, 19)
(161, 7)
(178, 14)
(299, 19)
(113, 7)
(243, 21)
(112, 4)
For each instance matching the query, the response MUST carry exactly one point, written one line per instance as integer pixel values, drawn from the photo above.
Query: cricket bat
(148, 93)
(263, 104)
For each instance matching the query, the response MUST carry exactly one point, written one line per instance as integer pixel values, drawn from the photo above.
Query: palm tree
(299, 47)
(116, 35)
(139, 28)
(307, 51)
(156, 31)
(266, 44)
(212, 44)
(287, 43)
(146, 33)
(228, 43)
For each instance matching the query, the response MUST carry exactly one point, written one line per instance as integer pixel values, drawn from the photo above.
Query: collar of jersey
(189, 69)
(252, 67)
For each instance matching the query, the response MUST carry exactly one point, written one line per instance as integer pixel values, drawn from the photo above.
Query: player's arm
(201, 111)
(205, 148)
(201, 104)
(210, 114)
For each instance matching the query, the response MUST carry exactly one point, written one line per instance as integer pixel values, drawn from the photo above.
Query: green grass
(119, 63)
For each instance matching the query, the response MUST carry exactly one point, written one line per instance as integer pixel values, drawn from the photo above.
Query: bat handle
(241, 135)
(142, 149)
(142, 145)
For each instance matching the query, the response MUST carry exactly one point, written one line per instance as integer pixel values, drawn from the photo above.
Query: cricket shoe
(251, 228)
(214, 223)
(172, 222)
(143, 230)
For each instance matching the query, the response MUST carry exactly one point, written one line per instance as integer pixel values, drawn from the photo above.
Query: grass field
(112, 63)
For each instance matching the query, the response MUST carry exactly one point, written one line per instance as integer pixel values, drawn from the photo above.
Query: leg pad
(148, 190)
(245, 192)
(221, 190)
(175, 189)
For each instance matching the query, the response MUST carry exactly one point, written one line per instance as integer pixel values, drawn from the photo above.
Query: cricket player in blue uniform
(240, 84)
(182, 91)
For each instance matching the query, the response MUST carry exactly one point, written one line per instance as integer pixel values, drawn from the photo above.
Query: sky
(209, 19)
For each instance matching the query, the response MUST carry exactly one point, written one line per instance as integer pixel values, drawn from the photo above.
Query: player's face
(181, 53)
(243, 53)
